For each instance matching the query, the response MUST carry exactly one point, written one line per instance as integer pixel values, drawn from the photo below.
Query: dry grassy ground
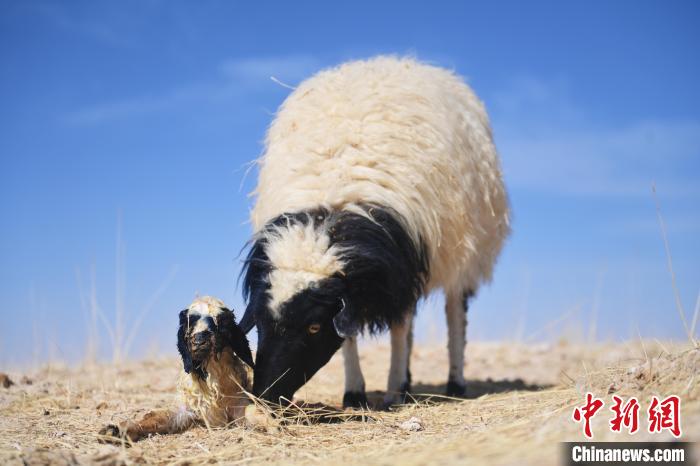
(517, 409)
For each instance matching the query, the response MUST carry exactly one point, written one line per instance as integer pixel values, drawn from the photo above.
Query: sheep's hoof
(111, 434)
(357, 400)
(456, 389)
(390, 402)
(109, 431)
(405, 390)
(402, 397)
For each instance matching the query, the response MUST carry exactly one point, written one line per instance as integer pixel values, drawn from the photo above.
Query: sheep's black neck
(383, 272)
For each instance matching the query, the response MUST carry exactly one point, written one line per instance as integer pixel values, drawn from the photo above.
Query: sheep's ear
(345, 322)
(248, 321)
(182, 342)
(230, 334)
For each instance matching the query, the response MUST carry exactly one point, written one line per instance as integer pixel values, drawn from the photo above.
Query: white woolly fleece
(205, 306)
(301, 255)
(397, 133)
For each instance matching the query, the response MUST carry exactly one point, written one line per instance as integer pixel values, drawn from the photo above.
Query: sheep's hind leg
(152, 423)
(456, 306)
(399, 383)
(354, 396)
(409, 344)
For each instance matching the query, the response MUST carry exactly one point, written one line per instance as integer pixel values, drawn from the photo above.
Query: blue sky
(139, 119)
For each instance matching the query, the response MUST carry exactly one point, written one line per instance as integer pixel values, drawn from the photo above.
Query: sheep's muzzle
(201, 345)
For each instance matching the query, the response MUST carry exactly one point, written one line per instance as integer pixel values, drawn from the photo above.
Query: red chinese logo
(627, 415)
(662, 414)
(586, 413)
(665, 414)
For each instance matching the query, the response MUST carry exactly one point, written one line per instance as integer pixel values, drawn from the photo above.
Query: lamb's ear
(230, 334)
(345, 321)
(248, 321)
(182, 343)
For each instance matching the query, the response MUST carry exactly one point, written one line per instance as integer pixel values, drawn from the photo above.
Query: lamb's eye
(314, 328)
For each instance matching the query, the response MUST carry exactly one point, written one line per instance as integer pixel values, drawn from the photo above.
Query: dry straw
(518, 408)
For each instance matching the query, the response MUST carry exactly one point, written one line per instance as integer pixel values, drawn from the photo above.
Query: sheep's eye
(314, 328)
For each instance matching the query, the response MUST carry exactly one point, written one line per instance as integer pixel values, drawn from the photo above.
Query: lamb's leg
(153, 422)
(398, 385)
(456, 306)
(355, 396)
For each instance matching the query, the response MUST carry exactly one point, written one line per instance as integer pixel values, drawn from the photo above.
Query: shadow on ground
(475, 389)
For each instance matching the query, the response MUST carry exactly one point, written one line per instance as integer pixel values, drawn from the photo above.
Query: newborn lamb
(217, 365)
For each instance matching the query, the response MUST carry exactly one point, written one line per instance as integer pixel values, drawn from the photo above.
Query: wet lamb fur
(399, 155)
(217, 369)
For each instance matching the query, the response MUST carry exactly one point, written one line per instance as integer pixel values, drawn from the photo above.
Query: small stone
(26, 380)
(412, 425)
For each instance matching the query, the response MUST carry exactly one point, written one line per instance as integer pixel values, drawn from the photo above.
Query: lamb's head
(207, 329)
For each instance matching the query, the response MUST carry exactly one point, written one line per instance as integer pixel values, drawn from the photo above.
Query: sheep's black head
(207, 327)
(295, 341)
(315, 277)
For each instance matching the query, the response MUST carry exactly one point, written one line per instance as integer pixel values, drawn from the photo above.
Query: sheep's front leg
(399, 384)
(153, 422)
(355, 396)
(456, 306)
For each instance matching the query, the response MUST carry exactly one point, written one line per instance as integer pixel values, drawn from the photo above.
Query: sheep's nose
(201, 337)
(201, 345)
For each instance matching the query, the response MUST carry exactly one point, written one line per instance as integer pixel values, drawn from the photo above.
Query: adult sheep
(379, 183)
